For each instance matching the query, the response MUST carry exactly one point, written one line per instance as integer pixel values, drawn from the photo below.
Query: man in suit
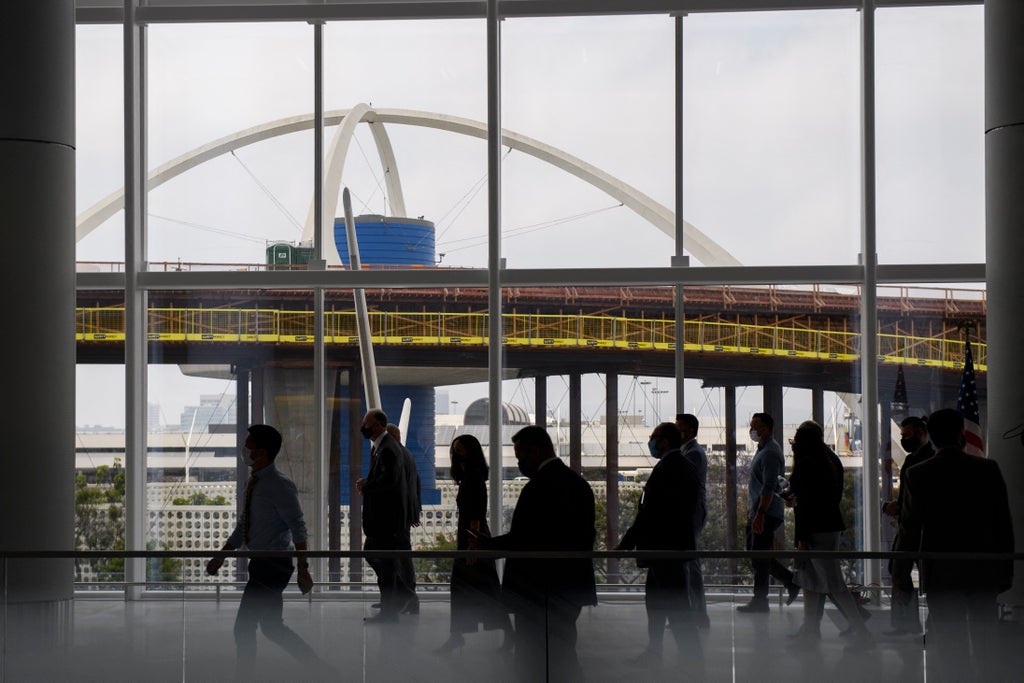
(384, 514)
(904, 616)
(413, 509)
(669, 511)
(555, 512)
(958, 503)
(693, 453)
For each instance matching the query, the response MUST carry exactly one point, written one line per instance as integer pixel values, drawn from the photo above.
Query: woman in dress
(815, 492)
(475, 589)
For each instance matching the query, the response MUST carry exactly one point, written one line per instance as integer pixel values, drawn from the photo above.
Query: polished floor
(191, 640)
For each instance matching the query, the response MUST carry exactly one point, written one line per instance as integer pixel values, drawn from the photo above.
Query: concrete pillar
(731, 515)
(1004, 247)
(612, 470)
(540, 401)
(37, 206)
(576, 421)
(818, 405)
(773, 406)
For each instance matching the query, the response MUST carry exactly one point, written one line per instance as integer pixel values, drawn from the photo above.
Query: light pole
(643, 387)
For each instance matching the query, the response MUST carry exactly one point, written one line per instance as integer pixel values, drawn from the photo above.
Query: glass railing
(173, 627)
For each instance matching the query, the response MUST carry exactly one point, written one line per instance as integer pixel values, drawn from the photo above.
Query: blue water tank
(388, 241)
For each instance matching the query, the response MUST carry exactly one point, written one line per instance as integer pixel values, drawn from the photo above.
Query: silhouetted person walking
(555, 512)
(385, 521)
(666, 519)
(271, 519)
(766, 512)
(958, 503)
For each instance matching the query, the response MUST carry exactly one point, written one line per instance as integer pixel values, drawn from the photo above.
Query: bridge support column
(241, 433)
(355, 468)
(818, 405)
(612, 471)
(576, 421)
(37, 199)
(731, 512)
(540, 401)
(1004, 204)
(773, 406)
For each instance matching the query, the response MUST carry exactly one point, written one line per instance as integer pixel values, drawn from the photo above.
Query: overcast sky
(771, 147)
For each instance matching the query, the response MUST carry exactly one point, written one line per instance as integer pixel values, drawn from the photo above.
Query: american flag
(967, 405)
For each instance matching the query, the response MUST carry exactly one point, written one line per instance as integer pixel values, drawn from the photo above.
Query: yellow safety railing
(592, 331)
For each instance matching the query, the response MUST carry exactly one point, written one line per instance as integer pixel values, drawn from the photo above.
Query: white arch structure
(702, 247)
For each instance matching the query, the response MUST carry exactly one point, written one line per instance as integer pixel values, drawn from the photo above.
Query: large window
(772, 153)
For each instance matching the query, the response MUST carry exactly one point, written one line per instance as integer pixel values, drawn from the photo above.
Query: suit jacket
(956, 502)
(413, 502)
(668, 507)
(384, 492)
(920, 455)
(696, 456)
(555, 511)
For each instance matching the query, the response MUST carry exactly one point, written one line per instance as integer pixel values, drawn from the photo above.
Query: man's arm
(772, 465)
(304, 579)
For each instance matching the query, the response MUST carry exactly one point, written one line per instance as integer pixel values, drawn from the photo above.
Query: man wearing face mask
(963, 616)
(555, 511)
(270, 519)
(765, 512)
(904, 616)
(669, 514)
(384, 514)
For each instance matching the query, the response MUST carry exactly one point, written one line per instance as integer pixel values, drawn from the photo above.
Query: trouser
(394, 594)
(763, 569)
(963, 639)
(262, 606)
(667, 598)
(407, 570)
(546, 642)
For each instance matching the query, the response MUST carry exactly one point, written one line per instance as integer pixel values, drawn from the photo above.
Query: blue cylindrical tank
(384, 240)
(388, 241)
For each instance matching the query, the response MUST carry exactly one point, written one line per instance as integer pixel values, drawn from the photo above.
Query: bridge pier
(731, 512)
(540, 401)
(576, 421)
(612, 471)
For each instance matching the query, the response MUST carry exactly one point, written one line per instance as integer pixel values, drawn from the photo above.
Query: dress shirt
(275, 517)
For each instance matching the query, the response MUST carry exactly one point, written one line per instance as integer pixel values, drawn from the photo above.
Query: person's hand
(791, 501)
(890, 508)
(359, 484)
(305, 580)
(801, 545)
(214, 565)
(757, 525)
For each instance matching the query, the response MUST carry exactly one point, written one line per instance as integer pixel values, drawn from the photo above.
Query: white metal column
(494, 327)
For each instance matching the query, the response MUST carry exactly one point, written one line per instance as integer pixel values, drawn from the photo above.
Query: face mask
(909, 445)
(652, 446)
(366, 432)
(754, 437)
(246, 455)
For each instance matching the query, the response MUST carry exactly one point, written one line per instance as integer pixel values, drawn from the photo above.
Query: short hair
(671, 433)
(765, 419)
(394, 431)
(379, 416)
(475, 464)
(945, 427)
(914, 422)
(266, 438)
(689, 421)
(533, 436)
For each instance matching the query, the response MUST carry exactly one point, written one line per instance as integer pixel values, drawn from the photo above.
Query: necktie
(373, 456)
(246, 508)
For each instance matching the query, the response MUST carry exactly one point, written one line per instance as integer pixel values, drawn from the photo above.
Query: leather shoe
(754, 606)
(794, 590)
(412, 606)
